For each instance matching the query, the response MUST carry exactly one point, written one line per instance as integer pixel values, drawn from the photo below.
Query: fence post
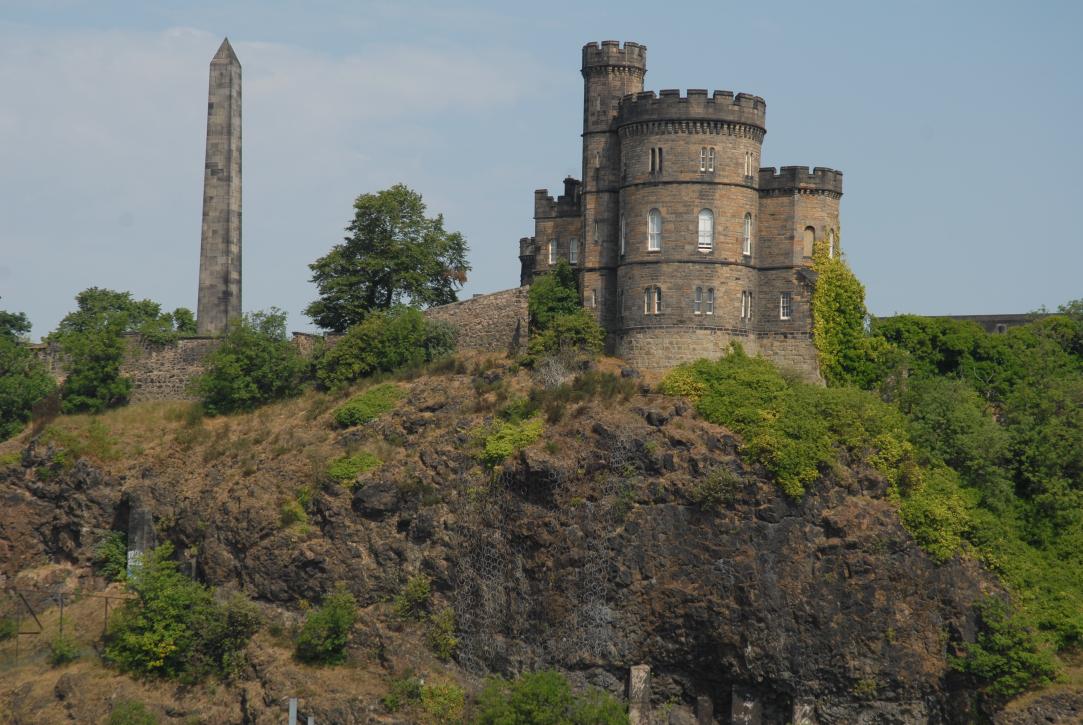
(293, 711)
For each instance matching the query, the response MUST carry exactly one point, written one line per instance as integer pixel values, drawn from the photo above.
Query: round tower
(610, 71)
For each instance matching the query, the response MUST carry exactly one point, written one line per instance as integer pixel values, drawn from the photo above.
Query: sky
(956, 126)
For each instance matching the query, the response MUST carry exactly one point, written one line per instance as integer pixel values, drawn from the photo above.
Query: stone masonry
(220, 248)
(494, 322)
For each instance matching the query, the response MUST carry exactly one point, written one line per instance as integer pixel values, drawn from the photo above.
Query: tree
(92, 360)
(184, 321)
(552, 294)
(255, 364)
(544, 698)
(14, 325)
(393, 255)
(23, 382)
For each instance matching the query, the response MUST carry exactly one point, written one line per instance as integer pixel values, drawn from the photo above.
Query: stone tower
(220, 247)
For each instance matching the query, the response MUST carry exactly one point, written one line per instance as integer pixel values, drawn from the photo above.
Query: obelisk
(220, 247)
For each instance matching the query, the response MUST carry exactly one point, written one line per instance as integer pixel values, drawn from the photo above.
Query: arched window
(657, 300)
(709, 304)
(573, 251)
(595, 230)
(746, 247)
(697, 301)
(552, 251)
(832, 244)
(706, 230)
(654, 231)
(622, 234)
(808, 240)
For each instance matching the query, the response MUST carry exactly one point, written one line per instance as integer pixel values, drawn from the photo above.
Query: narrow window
(654, 231)
(657, 300)
(710, 301)
(749, 315)
(697, 302)
(594, 298)
(659, 160)
(653, 161)
(808, 240)
(573, 251)
(747, 246)
(647, 294)
(706, 230)
(785, 306)
(595, 234)
(597, 159)
(622, 234)
(832, 245)
(710, 159)
(552, 251)
(744, 303)
(703, 159)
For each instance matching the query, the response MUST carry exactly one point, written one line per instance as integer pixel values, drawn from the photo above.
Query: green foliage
(544, 698)
(63, 650)
(589, 385)
(292, 512)
(9, 627)
(14, 326)
(131, 712)
(393, 254)
(326, 631)
(92, 362)
(717, 489)
(1007, 657)
(23, 382)
(573, 332)
(403, 691)
(384, 342)
(346, 469)
(368, 406)
(255, 364)
(111, 556)
(184, 321)
(552, 295)
(443, 703)
(508, 438)
(175, 628)
(441, 633)
(413, 601)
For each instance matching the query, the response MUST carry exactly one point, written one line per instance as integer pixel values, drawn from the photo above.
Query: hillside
(630, 532)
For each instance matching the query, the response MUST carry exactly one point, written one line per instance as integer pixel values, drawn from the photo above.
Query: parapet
(527, 248)
(565, 205)
(695, 105)
(612, 53)
(799, 178)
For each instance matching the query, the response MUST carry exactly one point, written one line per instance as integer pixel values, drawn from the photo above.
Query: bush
(384, 342)
(574, 332)
(717, 489)
(441, 634)
(92, 362)
(368, 406)
(63, 650)
(9, 627)
(1006, 656)
(130, 712)
(111, 556)
(255, 364)
(545, 698)
(23, 382)
(403, 691)
(508, 438)
(413, 600)
(443, 703)
(292, 512)
(326, 631)
(346, 469)
(551, 295)
(175, 628)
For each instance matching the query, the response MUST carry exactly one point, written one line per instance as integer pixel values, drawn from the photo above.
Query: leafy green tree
(255, 364)
(98, 308)
(175, 628)
(326, 631)
(553, 294)
(393, 254)
(385, 341)
(14, 326)
(23, 382)
(184, 321)
(558, 323)
(544, 698)
(93, 359)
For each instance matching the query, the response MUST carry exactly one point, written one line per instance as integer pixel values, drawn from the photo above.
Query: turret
(610, 71)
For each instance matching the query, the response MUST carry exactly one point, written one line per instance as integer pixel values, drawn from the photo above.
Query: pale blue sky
(956, 125)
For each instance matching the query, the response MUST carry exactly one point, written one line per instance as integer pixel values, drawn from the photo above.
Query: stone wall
(494, 322)
(165, 372)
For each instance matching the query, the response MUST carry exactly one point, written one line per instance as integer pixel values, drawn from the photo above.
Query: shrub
(441, 634)
(23, 382)
(368, 406)
(717, 489)
(508, 438)
(9, 627)
(255, 364)
(326, 631)
(1006, 656)
(576, 332)
(62, 650)
(292, 512)
(544, 697)
(413, 600)
(403, 691)
(346, 469)
(92, 362)
(383, 342)
(443, 703)
(130, 712)
(111, 556)
(175, 628)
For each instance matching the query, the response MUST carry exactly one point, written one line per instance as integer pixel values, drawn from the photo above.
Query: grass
(346, 469)
(368, 405)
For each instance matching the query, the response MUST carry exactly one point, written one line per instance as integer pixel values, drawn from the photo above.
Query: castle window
(652, 301)
(703, 159)
(697, 302)
(746, 247)
(552, 251)
(785, 306)
(746, 305)
(573, 251)
(809, 239)
(710, 159)
(622, 235)
(832, 245)
(597, 159)
(654, 231)
(654, 160)
(706, 230)
(710, 301)
(594, 298)
(595, 233)
(748, 163)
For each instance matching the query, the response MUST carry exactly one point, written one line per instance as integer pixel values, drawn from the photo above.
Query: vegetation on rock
(326, 631)
(346, 469)
(23, 379)
(558, 323)
(545, 697)
(509, 437)
(368, 405)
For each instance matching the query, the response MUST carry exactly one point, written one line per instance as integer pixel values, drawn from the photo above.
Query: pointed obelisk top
(225, 54)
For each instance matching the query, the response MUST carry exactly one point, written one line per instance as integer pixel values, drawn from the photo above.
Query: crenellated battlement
(800, 178)
(565, 205)
(610, 53)
(695, 104)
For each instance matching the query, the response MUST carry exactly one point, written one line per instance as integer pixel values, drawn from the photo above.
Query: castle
(681, 242)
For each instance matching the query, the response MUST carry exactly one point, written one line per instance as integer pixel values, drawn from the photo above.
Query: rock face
(630, 534)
